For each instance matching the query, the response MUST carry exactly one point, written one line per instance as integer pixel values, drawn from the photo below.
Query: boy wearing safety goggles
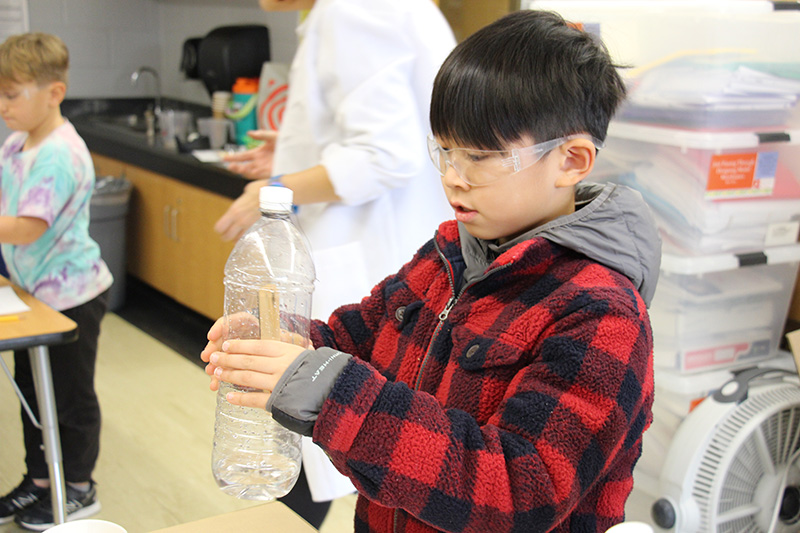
(502, 379)
(46, 184)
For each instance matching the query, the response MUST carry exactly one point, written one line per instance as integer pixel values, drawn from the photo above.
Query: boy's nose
(452, 178)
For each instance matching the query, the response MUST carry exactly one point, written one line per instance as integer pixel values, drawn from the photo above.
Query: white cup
(87, 526)
(630, 527)
(218, 131)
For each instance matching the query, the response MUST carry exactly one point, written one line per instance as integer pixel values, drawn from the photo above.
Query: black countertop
(102, 122)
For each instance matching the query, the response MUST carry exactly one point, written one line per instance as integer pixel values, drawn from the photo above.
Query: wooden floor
(158, 415)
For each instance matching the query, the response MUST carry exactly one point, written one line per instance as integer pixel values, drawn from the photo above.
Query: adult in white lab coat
(352, 147)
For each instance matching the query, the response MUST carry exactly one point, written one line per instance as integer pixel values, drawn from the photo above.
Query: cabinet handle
(165, 220)
(175, 224)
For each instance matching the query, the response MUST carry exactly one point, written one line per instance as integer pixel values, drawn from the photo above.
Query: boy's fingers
(257, 400)
(216, 330)
(260, 347)
(243, 378)
(210, 348)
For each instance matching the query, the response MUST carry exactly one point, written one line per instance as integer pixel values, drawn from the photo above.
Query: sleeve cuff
(303, 388)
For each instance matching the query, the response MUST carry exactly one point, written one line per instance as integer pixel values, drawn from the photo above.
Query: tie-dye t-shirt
(54, 182)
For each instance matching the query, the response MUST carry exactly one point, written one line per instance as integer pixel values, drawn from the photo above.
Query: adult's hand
(242, 213)
(256, 163)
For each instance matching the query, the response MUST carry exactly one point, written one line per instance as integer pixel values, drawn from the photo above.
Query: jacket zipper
(451, 302)
(449, 306)
(442, 315)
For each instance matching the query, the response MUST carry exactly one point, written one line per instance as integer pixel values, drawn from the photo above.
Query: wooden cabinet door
(203, 253)
(151, 245)
(171, 242)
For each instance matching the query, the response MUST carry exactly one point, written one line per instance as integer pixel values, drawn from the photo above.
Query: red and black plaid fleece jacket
(517, 404)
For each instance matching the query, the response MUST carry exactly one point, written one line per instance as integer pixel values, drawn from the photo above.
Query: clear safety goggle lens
(481, 167)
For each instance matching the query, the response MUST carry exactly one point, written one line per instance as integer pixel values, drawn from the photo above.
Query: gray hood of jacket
(611, 225)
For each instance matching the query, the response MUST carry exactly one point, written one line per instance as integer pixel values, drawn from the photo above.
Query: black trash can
(108, 212)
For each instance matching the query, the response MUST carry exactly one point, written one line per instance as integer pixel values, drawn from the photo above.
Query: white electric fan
(734, 463)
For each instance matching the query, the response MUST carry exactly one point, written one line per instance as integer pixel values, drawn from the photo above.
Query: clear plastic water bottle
(269, 279)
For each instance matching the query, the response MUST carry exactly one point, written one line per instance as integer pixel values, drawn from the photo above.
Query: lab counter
(105, 127)
(171, 244)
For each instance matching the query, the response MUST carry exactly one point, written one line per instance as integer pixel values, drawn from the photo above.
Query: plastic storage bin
(723, 311)
(697, 63)
(108, 210)
(711, 192)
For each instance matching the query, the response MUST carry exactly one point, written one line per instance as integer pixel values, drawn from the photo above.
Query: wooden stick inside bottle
(269, 312)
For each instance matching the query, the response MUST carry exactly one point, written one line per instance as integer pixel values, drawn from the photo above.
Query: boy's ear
(58, 90)
(577, 161)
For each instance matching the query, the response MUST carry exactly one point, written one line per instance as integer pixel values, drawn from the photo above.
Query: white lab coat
(359, 96)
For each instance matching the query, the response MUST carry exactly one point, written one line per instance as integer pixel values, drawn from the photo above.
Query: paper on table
(10, 303)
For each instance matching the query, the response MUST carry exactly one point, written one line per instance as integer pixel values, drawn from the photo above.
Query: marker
(9, 318)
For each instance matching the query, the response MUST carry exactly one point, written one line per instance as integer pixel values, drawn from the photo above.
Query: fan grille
(765, 431)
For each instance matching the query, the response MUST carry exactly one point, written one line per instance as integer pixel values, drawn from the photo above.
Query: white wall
(109, 39)
(181, 19)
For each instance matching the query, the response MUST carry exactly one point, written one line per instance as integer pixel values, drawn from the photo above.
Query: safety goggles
(16, 92)
(482, 167)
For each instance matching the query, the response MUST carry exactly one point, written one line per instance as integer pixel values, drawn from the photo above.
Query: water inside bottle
(254, 458)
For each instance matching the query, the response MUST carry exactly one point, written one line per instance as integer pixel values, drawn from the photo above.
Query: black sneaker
(79, 505)
(25, 495)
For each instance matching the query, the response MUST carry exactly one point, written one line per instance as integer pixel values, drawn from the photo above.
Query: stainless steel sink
(124, 118)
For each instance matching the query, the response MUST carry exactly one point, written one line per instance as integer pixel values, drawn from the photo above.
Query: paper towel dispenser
(231, 52)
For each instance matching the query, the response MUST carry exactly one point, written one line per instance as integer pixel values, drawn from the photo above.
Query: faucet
(149, 70)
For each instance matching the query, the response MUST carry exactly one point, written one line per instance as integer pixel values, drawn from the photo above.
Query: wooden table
(35, 330)
(273, 516)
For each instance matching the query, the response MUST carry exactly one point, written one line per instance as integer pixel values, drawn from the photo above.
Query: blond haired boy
(46, 183)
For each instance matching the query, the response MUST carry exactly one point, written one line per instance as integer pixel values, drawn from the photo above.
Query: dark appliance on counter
(231, 52)
(189, 52)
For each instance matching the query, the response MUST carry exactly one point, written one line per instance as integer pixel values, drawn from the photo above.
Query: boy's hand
(215, 336)
(218, 366)
(243, 324)
(257, 364)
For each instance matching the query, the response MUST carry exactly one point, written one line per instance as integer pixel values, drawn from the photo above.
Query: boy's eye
(477, 158)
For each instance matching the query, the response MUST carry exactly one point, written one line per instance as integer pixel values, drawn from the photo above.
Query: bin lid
(701, 140)
(111, 185)
(688, 264)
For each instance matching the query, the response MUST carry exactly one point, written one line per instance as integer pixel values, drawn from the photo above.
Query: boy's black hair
(528, 73)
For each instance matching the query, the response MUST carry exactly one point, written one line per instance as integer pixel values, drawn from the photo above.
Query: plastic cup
(174, 124)
(217, 130)
(87, 526)
(631, 527)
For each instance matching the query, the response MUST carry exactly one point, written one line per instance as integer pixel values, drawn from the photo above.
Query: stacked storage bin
(728, 209)
(710, 136)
